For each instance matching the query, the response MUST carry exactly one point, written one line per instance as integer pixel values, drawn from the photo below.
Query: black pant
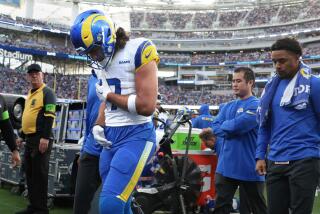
(88, 181)
(226, 188)
(244, 201)
(292, 186)
(37, 169)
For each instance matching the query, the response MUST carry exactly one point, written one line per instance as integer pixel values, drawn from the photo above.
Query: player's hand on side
(261, 167)
(19, 142)
(99, 136)
(43, 145)
(16, 160)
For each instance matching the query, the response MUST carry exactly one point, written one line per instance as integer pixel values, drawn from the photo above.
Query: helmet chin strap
(99, 65)
(105, 62)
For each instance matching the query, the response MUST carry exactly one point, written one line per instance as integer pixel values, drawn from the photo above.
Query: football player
(128, 84)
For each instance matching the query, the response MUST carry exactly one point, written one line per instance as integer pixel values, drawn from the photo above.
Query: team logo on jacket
(240, 110)
(305, 73)
(33, 102)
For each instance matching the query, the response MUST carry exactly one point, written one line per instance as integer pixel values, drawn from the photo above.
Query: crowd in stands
(213, 58)
(225, 19)
(229, 57)
(231, 19)
(181, 96)
(227, 34)
(40, 41)
(34, 22)
(66, 86)
(199, 20)
(75, 87)
(53, 43)
(256, 18)
(210, 19)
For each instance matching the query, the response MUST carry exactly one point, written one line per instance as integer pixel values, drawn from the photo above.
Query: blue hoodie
(204, 120)
(90, 146)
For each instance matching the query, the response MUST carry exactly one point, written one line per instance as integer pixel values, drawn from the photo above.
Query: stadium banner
(15, 55)
(26, 53)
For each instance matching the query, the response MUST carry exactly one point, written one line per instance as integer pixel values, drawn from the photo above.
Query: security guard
(37, 120)
(7, 132)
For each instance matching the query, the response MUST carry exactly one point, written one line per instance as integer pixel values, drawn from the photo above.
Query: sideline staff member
(236, 124)
(289, 122)
(7, 132)
(37, 121)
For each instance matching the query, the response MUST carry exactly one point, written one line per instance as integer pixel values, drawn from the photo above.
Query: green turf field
(10, 203)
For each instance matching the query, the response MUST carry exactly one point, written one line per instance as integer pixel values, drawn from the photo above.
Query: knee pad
(110, 204)
(124, 164)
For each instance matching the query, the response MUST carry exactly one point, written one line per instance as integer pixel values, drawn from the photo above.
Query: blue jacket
(291, 134)
(236, 124)
(93, 103)
(205, 119)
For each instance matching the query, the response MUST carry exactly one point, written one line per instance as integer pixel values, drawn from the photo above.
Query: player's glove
(81, 140)
(98, 134)
(102, 89)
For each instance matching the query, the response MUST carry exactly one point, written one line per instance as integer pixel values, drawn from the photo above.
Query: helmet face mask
(97, 59)
(93, 34)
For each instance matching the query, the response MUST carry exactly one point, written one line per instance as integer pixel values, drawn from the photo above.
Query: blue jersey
(236, 124)
(204, 120)
(93, 103)
(292, 134)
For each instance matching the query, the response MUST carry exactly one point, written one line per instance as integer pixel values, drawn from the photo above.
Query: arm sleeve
(263, 141)
(49, 103)
(216, 125)
(6, 127)
(146, 53)
(8, 134)
(242, 123)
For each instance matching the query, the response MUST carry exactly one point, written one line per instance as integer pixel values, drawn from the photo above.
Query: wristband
(132, 104)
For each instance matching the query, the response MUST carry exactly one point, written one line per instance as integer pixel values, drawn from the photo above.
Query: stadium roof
(61, 11)
(184, 4)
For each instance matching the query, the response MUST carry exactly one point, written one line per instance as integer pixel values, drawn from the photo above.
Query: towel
(295, 95)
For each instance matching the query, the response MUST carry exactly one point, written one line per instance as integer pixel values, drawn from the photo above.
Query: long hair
(122, 38)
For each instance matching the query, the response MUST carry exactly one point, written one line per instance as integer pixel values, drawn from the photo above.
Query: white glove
(102, 89)
(98, 134)
(81, 140)
(102, 86)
